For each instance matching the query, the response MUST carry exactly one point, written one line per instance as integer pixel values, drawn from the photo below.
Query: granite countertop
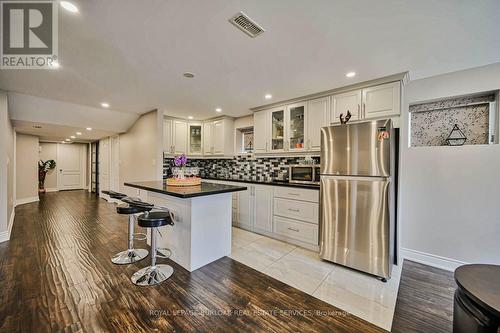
(206, 188)
(271, 182)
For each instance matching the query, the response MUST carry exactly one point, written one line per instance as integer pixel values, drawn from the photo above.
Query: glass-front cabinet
(195, 139)
(296, 126)
(278, 129)
(288, 128)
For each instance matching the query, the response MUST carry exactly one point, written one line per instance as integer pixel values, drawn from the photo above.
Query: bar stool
(132, 254)
(155, 273)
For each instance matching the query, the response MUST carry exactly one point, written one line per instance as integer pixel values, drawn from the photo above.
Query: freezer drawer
(356, 223)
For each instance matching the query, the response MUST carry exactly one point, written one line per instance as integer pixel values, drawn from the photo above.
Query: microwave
(304, 174)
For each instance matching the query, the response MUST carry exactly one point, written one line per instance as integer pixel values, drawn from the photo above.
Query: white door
(180, 137)
(103, 165)
(114, 164)
(167, 136)
(381, 101)
(71, 166)
(263, 198)
(218, 137)
(245, 207)
(260, 134)
(317, 117)
(342, 103)
(207, 138)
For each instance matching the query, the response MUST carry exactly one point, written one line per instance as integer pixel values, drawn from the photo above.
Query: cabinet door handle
(364, 110)
(294, 210)
(292, 229)
(296, 194)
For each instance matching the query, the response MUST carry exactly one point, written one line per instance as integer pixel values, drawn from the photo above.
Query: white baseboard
(5, 236)
(51, 189)
(26, 200)
(431, 259)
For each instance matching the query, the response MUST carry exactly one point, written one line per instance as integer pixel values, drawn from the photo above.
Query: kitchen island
(202, 217)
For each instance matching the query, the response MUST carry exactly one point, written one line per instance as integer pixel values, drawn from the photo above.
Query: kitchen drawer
(296, 194)
(304, 232)
(299, 210)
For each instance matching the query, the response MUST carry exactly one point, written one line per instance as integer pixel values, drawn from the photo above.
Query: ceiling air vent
(246, 24)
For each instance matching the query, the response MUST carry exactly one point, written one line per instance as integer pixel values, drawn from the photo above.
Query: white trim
(5, 236)
(52, 189)
(26, 200)
(431, 259)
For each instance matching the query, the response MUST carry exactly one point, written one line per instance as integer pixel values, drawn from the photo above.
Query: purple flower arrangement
(180, 161)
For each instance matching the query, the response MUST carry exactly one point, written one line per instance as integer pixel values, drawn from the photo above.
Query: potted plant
(43, 169)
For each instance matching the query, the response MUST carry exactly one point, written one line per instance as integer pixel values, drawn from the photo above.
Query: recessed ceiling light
(189, 75)
(69, 6)
(78, 133)
(68, 140)
(63, 141)
(350, 74)
(268, 96)
(218, 110)
(105, 105)
(89, 128)
(190, 117)
(73, 137)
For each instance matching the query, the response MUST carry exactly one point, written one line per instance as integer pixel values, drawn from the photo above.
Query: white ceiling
(132, 53)
(58, 133)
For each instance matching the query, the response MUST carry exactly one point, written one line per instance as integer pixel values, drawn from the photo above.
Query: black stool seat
(154, 220)
(127, 209)
(140, 204)
(115, 195)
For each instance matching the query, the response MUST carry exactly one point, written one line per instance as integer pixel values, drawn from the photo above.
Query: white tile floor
(358, 293)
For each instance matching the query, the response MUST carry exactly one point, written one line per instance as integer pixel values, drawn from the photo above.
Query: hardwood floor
(425, 300)
(56, 275)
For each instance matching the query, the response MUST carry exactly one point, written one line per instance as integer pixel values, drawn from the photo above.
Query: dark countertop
(262, 182)
(206, 188)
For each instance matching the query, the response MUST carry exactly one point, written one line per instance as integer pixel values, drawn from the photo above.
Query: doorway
(71, 166)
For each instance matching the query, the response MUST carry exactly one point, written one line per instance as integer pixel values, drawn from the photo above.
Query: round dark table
(477, 299)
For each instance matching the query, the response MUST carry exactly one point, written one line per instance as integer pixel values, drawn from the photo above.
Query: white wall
(7, 170)
(140, 152)
(449, 209)
(27, 154)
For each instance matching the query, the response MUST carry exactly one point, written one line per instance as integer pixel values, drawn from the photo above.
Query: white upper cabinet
(167, 136)
(180, 137)
(260, 130)
(382, 101)
(195, 139)
(208, 148)
(295, 127)
(317, 117)
(346, 102)
(219, 137)
(277, 132)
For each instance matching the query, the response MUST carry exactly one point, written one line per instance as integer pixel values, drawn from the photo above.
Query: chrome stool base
(151, 275)
(129, 256)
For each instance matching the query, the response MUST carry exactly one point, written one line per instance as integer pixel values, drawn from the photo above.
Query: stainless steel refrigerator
(357, 196)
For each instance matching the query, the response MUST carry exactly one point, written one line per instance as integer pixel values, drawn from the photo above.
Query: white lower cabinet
(302, 232)
(286, 213)
(263, 199)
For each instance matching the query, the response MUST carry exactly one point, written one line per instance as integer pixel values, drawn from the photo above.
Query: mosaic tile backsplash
(242, 167)
(431, 123)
